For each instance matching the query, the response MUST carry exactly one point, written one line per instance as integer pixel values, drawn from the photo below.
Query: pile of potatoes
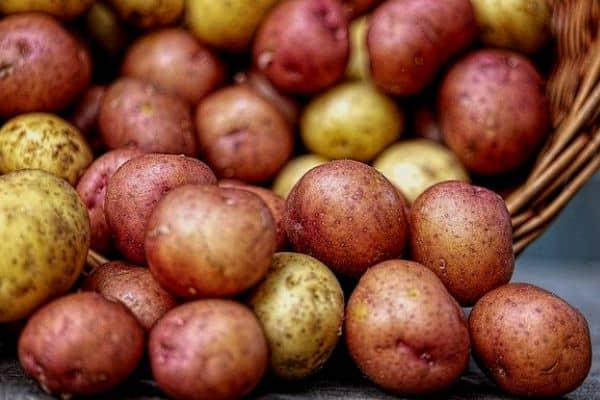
(270, 179)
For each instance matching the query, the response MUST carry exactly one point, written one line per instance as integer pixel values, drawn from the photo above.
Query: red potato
(354, 8)
(426, 124)
(302, 46)
(85, 114)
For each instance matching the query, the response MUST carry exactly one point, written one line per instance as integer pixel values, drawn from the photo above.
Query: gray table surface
(578, 283)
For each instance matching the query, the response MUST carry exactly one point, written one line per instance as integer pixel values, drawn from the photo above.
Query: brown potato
(92, 190)
(409, 40)
(241, 135)
(105, 28)
(173, 60)
(207, 241)
(134, 287)
(81, 344)
(134, 113)
(463, 233)
(149, 14)
(404, 330)
(302, 46)
(353, 8)
(42, 66)
(493, 111)
(347, 215)
(208, 349)
(64, 9)
(136, 187)
(530, 342)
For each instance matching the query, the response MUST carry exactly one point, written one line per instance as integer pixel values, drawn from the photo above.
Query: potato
(43, 141)
(300, 305)
(65, 9)
(530, 342)
(293, 170)
(149, 14)
(409, 40)
(42, 66)
(302, 46)
(134, 287)
(358, 64)
(104, 27)
(173, 60)
(85, 115)
(405, 331)
(347, 215)
(351, 120)
(44, 235)
(208, 349)
(81, 344)
(226, 25)
(241, 135)
(135, 188)
(493, 111)
(352, 8)
(92, 190)
(134, 113)
(522, 25)
(207, 241)
(415, 165)
(426, 124)
(463, 233)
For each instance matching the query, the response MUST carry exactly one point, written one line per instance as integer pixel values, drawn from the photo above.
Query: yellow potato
(293, 171)
(414, 165)
(64, 9)
(44, 239)
(226, 25)
(105, 28)
(358, 64)
(148, 13)
(521, 25)
(43, 141)
(300, 305)
(351, 120)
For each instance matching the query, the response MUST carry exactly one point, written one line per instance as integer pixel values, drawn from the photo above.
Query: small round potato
(295, 169)
(81, 344)
(530, 342)
(64, 9)
(149, 13)
(352, 120)
(43, 141)
(300, 305)
(208, 349)
(404, 330)
(106, 29)
(358, 65)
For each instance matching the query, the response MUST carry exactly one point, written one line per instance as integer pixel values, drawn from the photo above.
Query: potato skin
(81, 344)
(148, 14)
(173, 60)
(463, 233)
(501, 94)
(241, 135)
(106, 29)
(302, 46)
(64, 9)
(134, 113)
(404, 330)
(42, 66)
(359, 67)
(85, 115)
(146, 179)
(353, 8)
(530, 342)
(293, 170)
(347, 215)
(207, 241)
(300, 305)
(134, 287)
(208, 349)
(409, 40)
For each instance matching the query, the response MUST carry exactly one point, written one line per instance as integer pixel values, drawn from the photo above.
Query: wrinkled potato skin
(208, 349)
(146, 179)
(293, 170)
(148, 13)
(303, 45)
(300, 305)
(43, 141)
(493, 111)
(44, 235)
(409, 40)
(134, 113)
(174, 61)
(207, 241)
(42, 66)
(359, 66)
(81, 344)
(242, 136)
(353, 8)
(92, 190)
(463, 233)
(64, 9)
(134, 287)
(404, 330)
(530, 342)
(347, 215)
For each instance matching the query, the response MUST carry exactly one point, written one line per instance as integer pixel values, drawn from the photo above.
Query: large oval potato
(293, 170)
(149, 13)
(300, 305)
(44, 236)
(64, 9)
